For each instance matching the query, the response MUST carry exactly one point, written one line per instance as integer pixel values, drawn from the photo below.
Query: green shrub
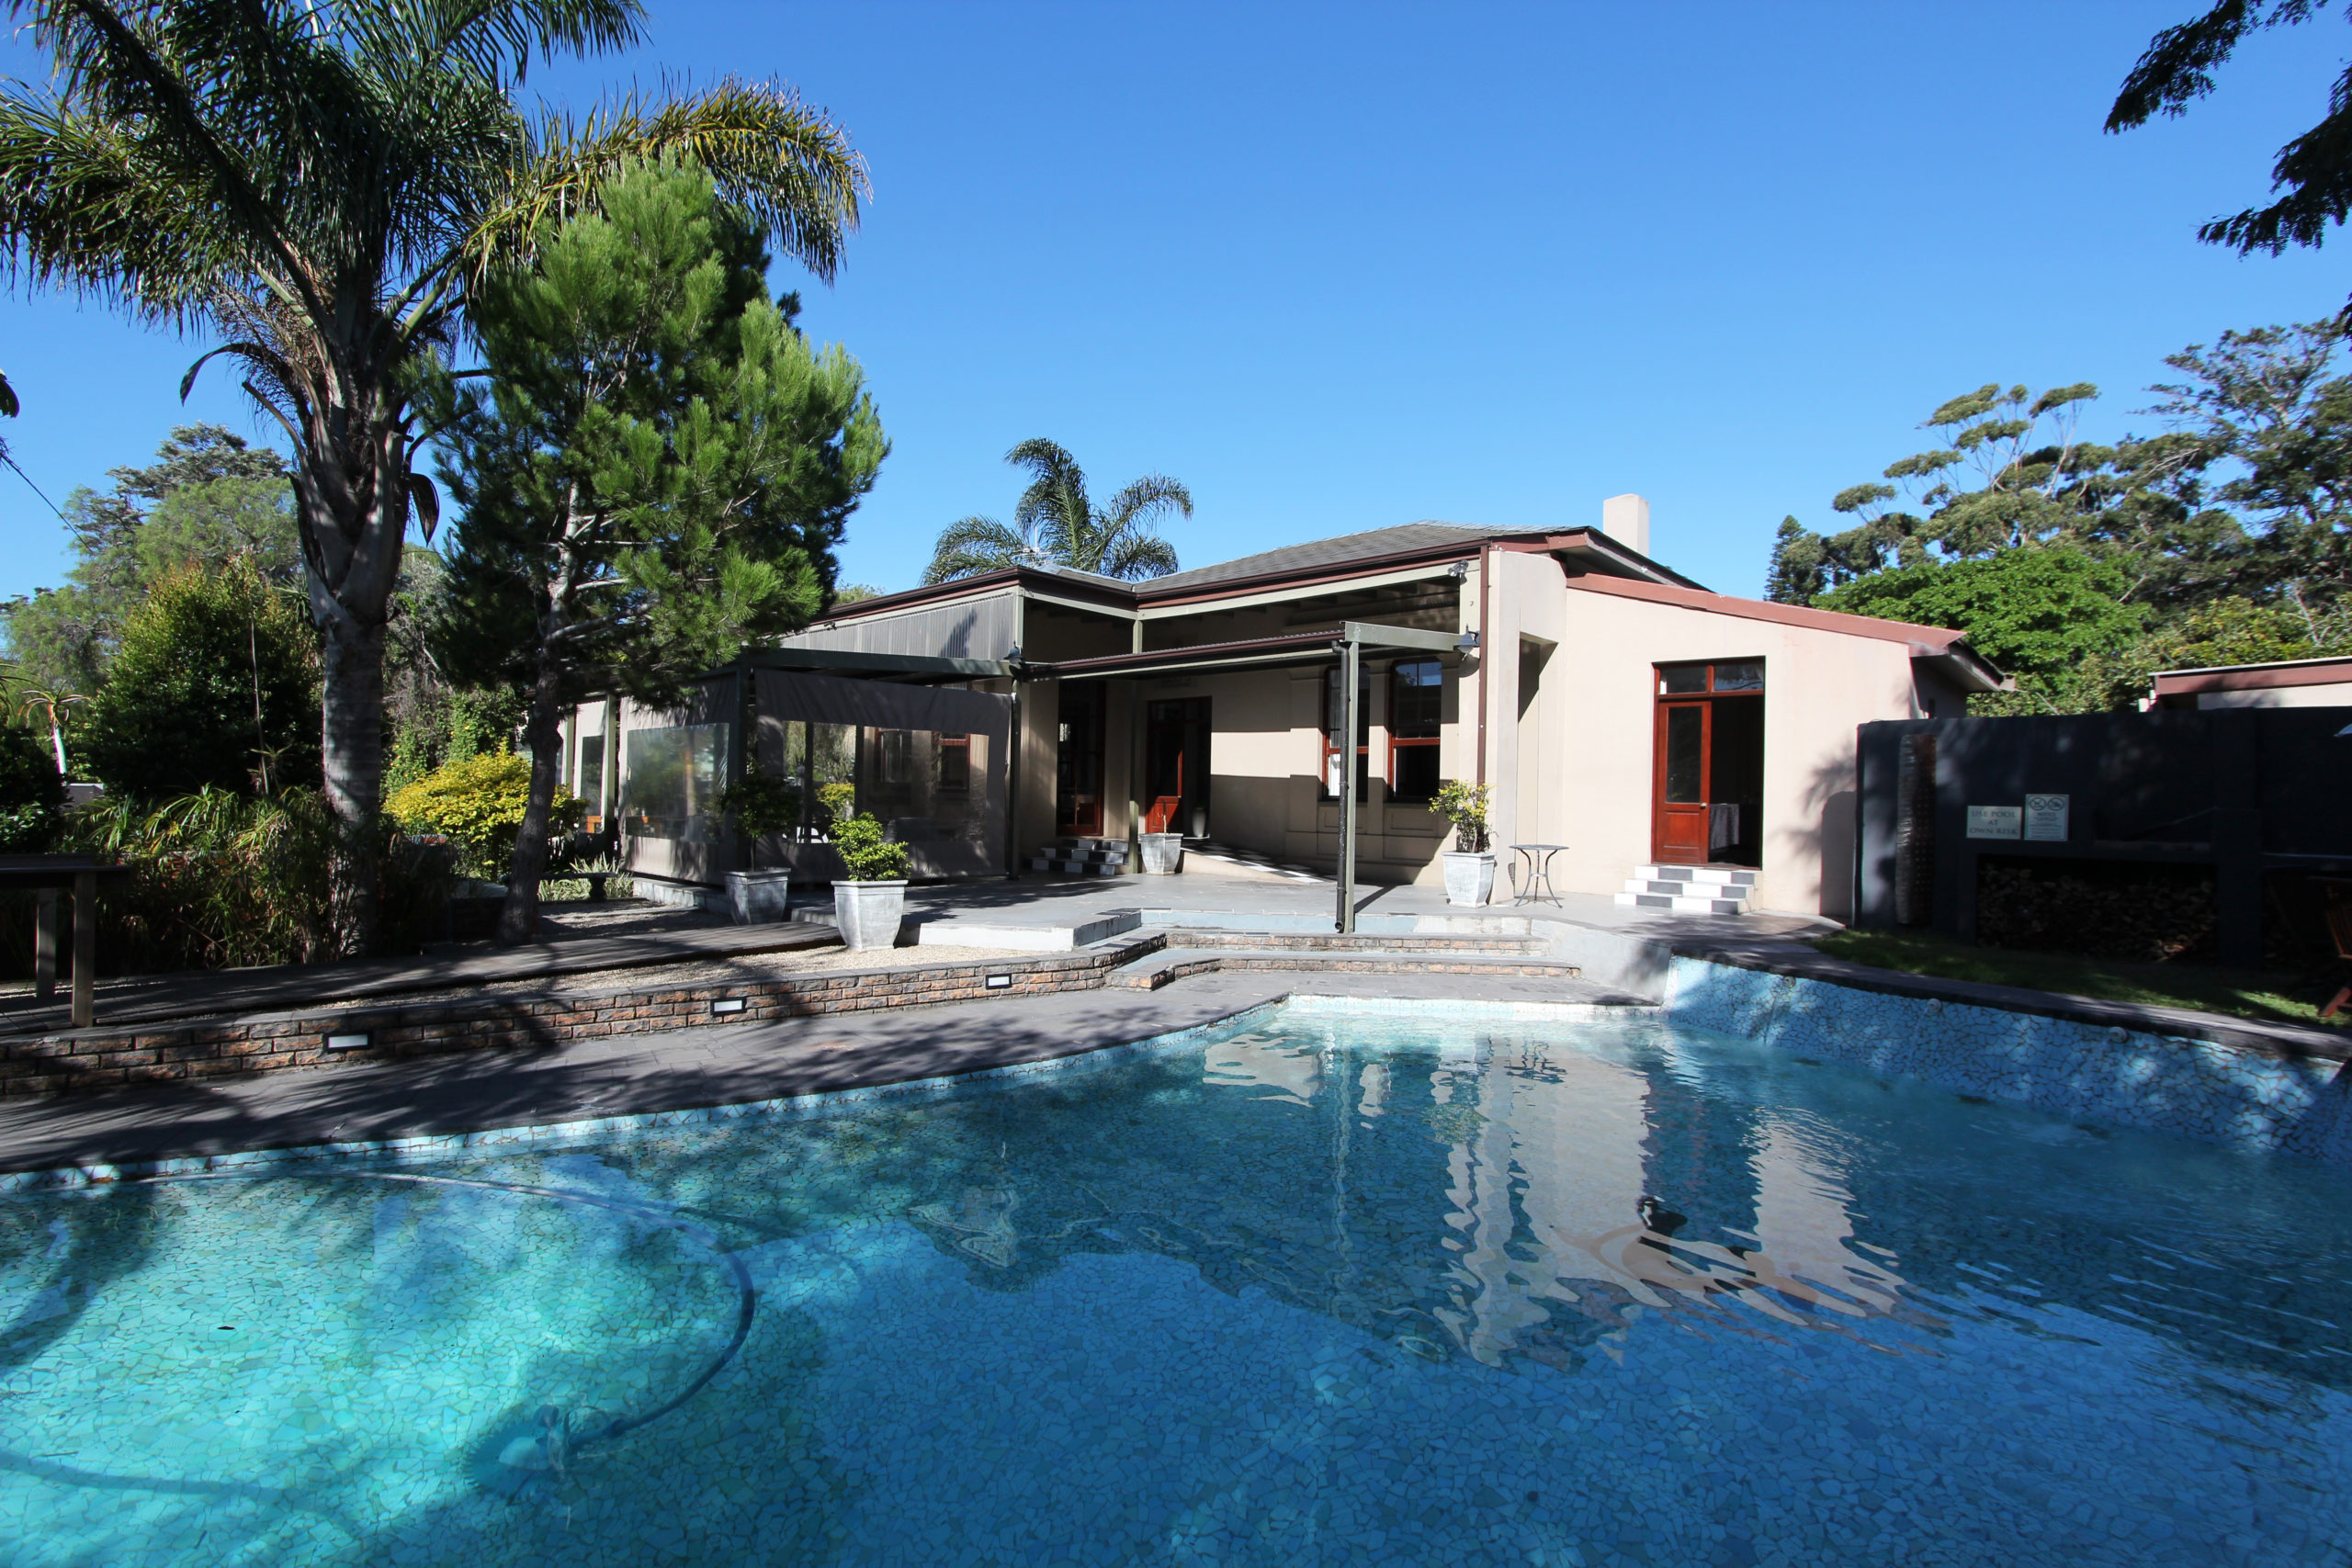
(761, 804)
(477, 804)
(838, 799)
(222, 880)
(175, 712)
(1465, 805)
(32, 796)
(866, 855)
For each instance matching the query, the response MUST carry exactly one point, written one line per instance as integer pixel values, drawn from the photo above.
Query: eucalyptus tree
(1056, 524)
(2311, 179)
(657, 473)
(321, 186)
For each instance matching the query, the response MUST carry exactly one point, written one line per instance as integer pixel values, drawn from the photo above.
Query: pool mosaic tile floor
(1317, 1286)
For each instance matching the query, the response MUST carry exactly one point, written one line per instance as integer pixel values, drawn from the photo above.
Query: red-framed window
(1416, 711)
(954, 763)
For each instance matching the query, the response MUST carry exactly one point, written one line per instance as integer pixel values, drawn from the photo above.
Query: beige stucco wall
(1596, 709)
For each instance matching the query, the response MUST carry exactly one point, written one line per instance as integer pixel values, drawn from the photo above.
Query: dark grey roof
(1326, 552)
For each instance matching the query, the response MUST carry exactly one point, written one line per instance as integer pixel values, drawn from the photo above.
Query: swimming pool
(1313, 1286)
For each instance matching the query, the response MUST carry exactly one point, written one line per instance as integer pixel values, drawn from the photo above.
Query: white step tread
(1719, 874)
(1684, 903)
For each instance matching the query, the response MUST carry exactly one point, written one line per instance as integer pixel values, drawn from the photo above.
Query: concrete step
(1171, 964)
(1684, 903)
(1727, 875)
(1076, 867)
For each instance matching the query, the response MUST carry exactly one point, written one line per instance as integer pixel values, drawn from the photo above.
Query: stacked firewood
(2133, 913)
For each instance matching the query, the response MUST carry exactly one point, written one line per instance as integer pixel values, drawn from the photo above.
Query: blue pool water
(1311, 1287)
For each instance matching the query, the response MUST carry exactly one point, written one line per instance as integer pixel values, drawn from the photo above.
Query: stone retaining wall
(111, 1057)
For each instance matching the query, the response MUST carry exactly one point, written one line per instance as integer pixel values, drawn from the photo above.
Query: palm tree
(322, 183)
(1055, 525)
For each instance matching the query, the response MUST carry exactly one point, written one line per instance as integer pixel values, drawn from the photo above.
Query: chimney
(1626, 519)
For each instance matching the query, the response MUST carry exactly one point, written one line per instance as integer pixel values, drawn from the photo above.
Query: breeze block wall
(173, 1051)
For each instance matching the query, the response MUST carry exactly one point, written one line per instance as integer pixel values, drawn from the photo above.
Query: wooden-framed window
(1728, 676)
(1332, 761)
(954, 763)
(1415, 710)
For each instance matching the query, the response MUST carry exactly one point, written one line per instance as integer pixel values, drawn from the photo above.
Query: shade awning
(1292, 647)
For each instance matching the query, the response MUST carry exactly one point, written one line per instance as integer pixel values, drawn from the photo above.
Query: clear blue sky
(1340, 267)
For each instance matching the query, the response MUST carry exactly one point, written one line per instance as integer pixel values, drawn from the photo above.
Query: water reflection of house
(1545, 1191)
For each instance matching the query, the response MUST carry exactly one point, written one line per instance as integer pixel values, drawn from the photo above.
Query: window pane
(955, 762)
(592, 774)
(1675, 678)
(671, 779)
(1416, 690)
(1745, 676)
(1415, 774)
(1683, 737)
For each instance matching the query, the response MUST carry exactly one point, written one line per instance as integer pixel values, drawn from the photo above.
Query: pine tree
(657, 474)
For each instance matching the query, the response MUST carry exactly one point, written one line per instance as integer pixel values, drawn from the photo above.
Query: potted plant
(1470, 865)
(760, 803)
(870, 900)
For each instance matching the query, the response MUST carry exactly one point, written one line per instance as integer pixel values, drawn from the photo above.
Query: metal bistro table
(1538, 860)
(50, 875)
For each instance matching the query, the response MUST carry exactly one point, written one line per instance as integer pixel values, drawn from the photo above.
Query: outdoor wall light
(999, 981)
(1466, 643)
(728, 1004)
(1458, 571)
(359, 1042)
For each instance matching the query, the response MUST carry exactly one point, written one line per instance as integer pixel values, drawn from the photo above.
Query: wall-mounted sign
(1995, 821)
(2045, 817)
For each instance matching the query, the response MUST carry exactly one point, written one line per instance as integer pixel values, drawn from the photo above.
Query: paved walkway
(688, 1068)
(215, 992)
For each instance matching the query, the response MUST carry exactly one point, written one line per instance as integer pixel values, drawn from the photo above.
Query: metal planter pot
(869, 913)
(759, 896)
(1163, 853)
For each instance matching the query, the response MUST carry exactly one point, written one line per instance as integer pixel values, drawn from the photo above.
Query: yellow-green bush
(477, 804)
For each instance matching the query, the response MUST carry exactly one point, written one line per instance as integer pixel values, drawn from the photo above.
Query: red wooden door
(1679, 831)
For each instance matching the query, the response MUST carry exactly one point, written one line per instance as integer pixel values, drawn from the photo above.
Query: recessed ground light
(731, 1004)
(359, 1042)
(999, 981)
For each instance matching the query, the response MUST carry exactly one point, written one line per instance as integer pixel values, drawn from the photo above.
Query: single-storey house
(1613, 706)
(2286, 683)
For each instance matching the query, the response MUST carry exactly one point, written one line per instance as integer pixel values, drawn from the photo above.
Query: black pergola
(50, 875)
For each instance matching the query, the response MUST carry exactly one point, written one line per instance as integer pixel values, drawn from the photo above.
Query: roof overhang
(1253, 653)
(913, 667)
(2252, 677)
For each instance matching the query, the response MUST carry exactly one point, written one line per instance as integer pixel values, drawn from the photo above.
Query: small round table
(1538, 859)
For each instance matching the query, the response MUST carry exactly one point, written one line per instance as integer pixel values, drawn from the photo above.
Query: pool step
(1172, 962)
(1689, 889)
(1083, 857)
(1357, 941)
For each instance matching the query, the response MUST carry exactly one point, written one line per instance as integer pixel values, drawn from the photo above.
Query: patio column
(1351, 661)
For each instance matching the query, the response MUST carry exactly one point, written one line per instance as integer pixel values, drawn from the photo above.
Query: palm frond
(1142, 503)
(790, 168)
(972, 546)
(1139, 556)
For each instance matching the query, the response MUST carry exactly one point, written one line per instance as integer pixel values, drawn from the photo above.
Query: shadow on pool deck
(689, 1068)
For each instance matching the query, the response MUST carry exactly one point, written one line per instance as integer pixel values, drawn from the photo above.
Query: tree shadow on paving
(543, 1083)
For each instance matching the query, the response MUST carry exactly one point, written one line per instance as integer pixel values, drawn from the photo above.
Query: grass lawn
(2240, 993)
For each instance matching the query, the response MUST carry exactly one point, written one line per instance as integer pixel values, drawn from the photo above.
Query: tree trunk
(354, 509)
(518, 919)
(352, 754)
